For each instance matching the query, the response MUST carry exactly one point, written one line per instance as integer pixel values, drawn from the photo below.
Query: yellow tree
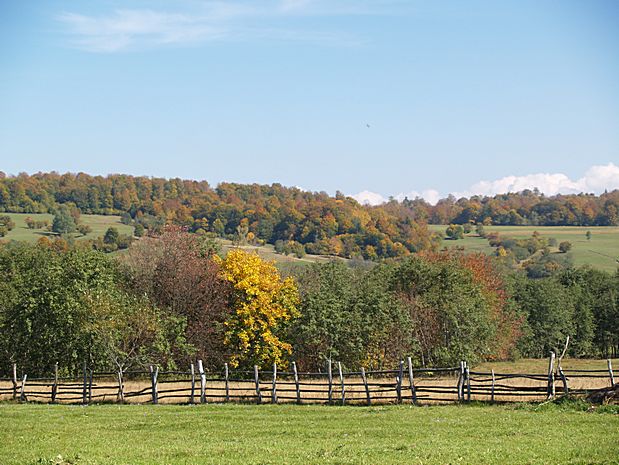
(261, 302)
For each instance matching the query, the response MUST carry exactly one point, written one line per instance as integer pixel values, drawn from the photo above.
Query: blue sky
(454, 93)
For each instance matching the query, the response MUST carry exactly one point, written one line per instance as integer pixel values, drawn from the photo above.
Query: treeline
(528, 207)
(171, 299)
(303, 222)
(296, 221)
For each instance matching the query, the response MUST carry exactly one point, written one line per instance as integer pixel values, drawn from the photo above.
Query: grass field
(98, 223)
(604, 240)
(110, 434)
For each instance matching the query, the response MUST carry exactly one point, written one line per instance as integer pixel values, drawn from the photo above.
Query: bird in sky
(367, 125)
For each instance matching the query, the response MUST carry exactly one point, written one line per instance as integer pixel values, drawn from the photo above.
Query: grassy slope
(110, 434)
(98, 223)
(604, 240)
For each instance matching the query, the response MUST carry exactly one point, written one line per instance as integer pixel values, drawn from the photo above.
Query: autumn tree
(177, 272)
(261, 302)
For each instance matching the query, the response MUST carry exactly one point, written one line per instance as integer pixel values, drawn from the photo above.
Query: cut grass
(596, 252)
(110, 434)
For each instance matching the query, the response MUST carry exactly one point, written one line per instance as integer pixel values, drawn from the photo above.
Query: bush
(565, 246)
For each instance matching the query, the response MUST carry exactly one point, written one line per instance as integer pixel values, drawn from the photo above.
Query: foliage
(565, 246)
(261, 302)
(111, 236)
(6, 222)
(55, 303)
(452, 316)
(84, 229)
(63, 222)
(550, 315)
(176, 271)
(309, 221)
(454, 231)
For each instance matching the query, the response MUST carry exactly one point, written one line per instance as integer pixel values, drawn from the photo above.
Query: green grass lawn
(98, 223)
(604, 240)
(249, 434)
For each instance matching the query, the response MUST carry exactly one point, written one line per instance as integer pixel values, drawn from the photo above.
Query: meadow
(165, 434)
(98, 223)
(604, 242)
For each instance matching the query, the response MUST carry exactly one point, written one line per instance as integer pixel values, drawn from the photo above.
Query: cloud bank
(595, 180)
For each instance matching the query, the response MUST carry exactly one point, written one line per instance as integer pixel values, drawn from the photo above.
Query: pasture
(111, 434)
(604, 241)
(98, 223)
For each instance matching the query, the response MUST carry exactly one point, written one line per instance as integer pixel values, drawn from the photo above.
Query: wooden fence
(404, 384)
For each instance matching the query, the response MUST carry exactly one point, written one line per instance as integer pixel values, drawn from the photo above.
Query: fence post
(90, 387)
(192, 397)
(274, 385)
(121, 387)
(492, 394)
(154, 373)
(367, 388)
(55, 385)
(202, 382)
(468, 383)
(399, 385)
(257, 381)
(85, 385)
(14, 381)
(343, 386)
(296, 381)
(461, 382)
(610, 372)
(566, 391)
(227, 376)
(411, 380)
(551, 379)
(22, 392)
(330, 376)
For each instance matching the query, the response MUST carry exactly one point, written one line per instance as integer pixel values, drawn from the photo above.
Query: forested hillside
(290, 218)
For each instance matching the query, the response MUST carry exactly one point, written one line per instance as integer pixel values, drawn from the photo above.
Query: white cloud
(135, 29)
(595, 180)
(369, 198)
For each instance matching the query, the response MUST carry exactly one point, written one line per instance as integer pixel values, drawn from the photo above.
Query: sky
(372, 98)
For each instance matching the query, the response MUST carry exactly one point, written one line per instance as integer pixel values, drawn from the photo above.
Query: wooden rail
(367, 387)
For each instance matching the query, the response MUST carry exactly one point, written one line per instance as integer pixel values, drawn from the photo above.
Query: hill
(597, 251)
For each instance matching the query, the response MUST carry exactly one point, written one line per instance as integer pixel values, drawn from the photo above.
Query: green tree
(111, 235)
(63, 222)
(454, 232)
(549, 309)
(7, 222)
(219, 228)
(138, 231)
(84, 229)
(329, 325)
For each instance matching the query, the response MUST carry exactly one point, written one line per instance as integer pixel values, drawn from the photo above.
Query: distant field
(270, 434)
(267, 252)
(98, 223)
(604, 240)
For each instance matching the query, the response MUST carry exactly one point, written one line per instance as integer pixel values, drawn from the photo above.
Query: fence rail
(335, 386)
